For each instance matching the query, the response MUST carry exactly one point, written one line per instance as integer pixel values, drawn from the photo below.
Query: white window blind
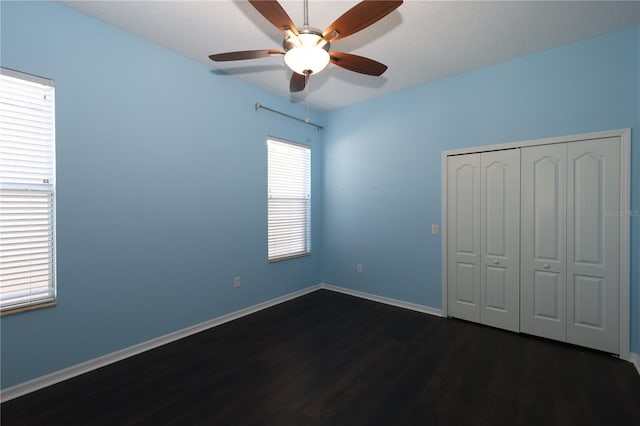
(289, 200)
(27, 177)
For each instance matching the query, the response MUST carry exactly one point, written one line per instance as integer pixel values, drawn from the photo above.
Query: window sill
(293, 256)
(27, 308)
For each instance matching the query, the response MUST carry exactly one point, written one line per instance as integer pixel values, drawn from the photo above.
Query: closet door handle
(546, 266)
(495, 262)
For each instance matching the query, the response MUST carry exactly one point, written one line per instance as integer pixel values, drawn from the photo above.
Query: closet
(533, 240)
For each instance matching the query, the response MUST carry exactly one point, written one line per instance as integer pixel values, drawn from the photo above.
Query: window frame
(48, 187)
(278, 257)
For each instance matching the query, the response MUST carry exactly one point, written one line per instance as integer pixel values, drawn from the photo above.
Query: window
(289, 195)
(27, 190)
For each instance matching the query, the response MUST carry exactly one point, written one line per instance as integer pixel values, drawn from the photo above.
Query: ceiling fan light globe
(307, 59)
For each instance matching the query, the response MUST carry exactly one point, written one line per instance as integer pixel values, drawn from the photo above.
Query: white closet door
(463, 241)
(500, 239)
(593, 194)
(543, 247)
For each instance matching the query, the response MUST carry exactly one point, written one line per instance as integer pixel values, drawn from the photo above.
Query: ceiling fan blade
(359, 17)
(244, 54)
(298, 82)
(358, 63)
(275, 14)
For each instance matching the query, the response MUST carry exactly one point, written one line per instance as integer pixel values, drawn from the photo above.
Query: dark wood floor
(331, 359)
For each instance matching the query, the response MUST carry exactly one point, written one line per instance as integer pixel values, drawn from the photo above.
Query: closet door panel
(593, 243)
(463, 236)
(500, 239)
(547, 297)
(543, 241)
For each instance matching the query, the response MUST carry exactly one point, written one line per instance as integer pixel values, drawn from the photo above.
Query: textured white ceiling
(420, 42)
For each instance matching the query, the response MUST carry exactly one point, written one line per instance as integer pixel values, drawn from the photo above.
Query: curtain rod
(305, 121)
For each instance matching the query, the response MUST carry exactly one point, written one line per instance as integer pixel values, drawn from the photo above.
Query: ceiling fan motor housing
(308, 36)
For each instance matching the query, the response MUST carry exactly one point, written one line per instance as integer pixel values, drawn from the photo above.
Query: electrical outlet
(435, 230)
(236, 282)
(359, 267)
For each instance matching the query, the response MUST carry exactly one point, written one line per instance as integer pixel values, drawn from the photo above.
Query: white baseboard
(634, 358)
(78, 369)
(386, 300)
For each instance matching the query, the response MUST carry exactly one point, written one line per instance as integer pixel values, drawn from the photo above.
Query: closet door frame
(625, 219)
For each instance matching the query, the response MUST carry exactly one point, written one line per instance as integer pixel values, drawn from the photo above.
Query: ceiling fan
(306, 50)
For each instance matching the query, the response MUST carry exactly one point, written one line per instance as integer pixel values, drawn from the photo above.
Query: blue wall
(161, 191)
(383, 165)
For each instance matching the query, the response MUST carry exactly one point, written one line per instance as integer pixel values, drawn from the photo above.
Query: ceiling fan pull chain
(306, 94)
